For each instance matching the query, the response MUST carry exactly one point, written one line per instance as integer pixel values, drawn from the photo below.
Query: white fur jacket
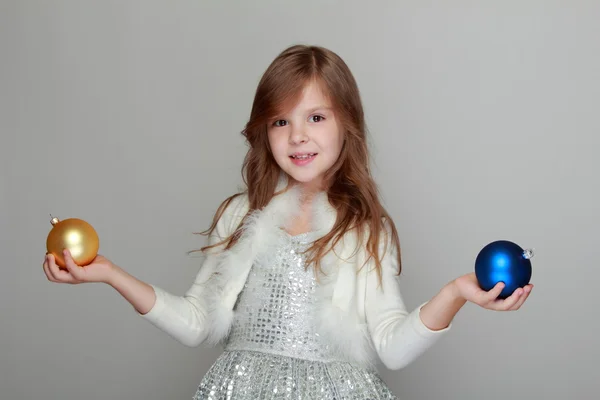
(362, 319)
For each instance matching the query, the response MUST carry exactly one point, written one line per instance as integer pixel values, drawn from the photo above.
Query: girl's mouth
(303, 159)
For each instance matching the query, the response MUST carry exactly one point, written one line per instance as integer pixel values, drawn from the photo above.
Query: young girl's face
(307, 140)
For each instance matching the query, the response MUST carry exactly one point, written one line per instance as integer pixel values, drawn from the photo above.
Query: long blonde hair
(351, 190)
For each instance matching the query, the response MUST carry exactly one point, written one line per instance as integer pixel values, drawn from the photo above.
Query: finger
(52, 267)
(524, 296)
(492, 294)
(46, 268)
(75, 270)
(60, 275)
(510, 301)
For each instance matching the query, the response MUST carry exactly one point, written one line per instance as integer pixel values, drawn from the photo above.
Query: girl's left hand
(467, 288)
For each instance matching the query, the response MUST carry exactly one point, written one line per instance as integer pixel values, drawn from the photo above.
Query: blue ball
(503, 261)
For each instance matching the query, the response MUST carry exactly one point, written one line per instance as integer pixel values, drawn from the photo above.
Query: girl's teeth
(303, 157)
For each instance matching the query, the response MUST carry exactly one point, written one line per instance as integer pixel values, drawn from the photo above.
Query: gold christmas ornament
(76, 235)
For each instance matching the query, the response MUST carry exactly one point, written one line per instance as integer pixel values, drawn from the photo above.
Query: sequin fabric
(274, 350)
(275, 312)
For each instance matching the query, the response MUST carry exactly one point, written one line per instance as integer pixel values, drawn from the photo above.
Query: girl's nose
(298, 135)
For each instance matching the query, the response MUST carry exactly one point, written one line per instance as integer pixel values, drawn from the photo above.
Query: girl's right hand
(99, 270)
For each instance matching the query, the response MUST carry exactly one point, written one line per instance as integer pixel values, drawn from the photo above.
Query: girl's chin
(309, 183)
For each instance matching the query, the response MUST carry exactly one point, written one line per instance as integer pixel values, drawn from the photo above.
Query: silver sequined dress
(274, 350)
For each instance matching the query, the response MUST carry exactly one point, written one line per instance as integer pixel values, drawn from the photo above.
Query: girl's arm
(442, 308)
(139, 294)
(400, 336)
(183, 317)
(438, 313)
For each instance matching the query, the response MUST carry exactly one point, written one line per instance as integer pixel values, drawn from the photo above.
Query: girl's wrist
(454, 293)
(114, 273)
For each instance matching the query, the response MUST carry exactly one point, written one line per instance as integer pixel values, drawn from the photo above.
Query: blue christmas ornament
(503, 261)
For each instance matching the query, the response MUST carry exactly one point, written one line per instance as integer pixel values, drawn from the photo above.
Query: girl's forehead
(311, 98)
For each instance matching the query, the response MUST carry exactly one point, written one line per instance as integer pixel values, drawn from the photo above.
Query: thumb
(75, 270)
(493, 293)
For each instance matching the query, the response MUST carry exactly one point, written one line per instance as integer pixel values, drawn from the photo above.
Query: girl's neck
(302, 223)
(310, 190)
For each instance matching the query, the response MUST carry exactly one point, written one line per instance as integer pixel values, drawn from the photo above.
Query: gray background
(484, 125)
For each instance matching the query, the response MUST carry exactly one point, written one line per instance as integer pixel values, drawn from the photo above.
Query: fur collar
(339, 319)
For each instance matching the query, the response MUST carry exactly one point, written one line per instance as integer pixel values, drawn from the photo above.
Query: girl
(300, 279)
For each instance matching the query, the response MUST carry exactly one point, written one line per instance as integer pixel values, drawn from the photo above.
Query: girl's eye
(317, 118)
(280, 122)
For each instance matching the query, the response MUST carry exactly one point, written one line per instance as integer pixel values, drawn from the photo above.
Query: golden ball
(76, 235)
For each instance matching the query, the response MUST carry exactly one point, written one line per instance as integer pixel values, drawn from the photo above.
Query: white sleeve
(399, 336)
(185, 317)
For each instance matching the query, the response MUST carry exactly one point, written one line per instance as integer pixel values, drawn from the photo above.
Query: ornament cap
(527, 254)
(54, 220)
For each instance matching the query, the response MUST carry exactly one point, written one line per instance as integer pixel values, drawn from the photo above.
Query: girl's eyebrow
(323, 107)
